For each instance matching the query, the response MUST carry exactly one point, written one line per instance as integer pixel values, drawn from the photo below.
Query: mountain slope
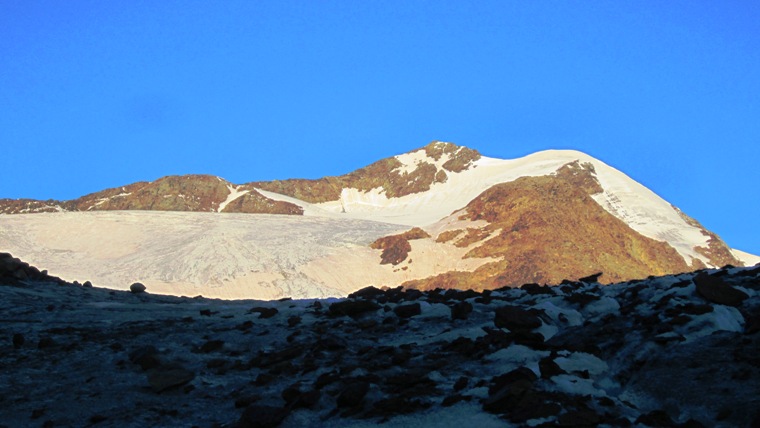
(412, 173)
(634, 204)
(549, 228)
(542, 218)
(204, 193)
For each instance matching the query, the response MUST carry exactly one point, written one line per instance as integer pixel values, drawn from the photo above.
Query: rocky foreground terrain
(678, 350)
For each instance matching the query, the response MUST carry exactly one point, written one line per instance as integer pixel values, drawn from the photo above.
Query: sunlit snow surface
(209, 254)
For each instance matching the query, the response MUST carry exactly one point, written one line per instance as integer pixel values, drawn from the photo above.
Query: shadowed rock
(461, 310)
(260, 416)
(516, 319)
(353, 307)
(715, 290)
(353, 394)
(164, 378)
(264, 313)
(145, 356)
(591, 278)
(18, 340)
(407, 311)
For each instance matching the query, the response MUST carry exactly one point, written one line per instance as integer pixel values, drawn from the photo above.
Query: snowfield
(179, 253)
(227, 256)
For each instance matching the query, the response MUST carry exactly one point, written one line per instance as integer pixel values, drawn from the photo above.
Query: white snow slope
(323, 253)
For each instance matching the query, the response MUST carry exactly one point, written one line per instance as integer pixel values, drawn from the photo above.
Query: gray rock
(259, 416)
(715, 290)
(164, 378)
(516, 319)
(18, 340)
(353, 394)
(407, 311)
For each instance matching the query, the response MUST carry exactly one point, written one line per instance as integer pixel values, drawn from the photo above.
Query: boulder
(145, 356)
(353, 394)
(715, 290)
(517, 319)
(591, 278)
(461, 310)
(18, 340)
(353, 307)
(407, 311)
(163, 378)
(260, 416)
(264, 313)
(367, 293)
(137, 288)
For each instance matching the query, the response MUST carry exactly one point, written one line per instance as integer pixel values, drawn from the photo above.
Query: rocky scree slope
(671, 351)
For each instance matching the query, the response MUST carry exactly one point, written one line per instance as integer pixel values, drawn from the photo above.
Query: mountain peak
(455, 158)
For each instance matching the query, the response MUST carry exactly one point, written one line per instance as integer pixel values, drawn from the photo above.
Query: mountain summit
(476, 222)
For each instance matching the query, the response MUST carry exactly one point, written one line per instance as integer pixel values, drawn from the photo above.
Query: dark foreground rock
(673, 351)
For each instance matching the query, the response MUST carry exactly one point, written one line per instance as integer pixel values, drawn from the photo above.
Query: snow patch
(571, 317)
(722, 318)
(602, 307)
(747, 258)
(580, 361)
(516, 356)
(574, 385)
(235, 193)
(411, 161)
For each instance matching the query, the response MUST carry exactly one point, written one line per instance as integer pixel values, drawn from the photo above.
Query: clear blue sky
(104, 93)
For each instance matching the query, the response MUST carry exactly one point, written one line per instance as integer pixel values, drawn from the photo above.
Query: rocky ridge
(204, 193)
(210, 193)
(393, 177)
(574, 354)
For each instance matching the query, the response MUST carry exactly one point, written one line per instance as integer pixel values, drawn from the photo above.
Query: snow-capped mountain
(483, 223)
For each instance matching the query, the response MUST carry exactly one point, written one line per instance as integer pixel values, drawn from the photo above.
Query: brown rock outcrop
(382, 174)
(548, 228)
(203, 193)
(396, 248)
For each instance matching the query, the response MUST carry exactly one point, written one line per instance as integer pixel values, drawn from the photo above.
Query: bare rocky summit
(673, 351)
(385, 174)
